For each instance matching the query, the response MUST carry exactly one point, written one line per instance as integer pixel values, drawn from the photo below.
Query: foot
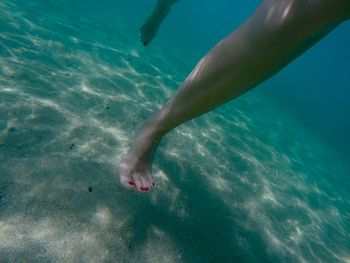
(134, 173)
(148, 31)
(135, 168)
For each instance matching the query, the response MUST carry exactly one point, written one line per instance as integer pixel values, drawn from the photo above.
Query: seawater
(261, 179)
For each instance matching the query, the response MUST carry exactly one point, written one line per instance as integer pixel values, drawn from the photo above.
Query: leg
(153, 22)
(278, 32)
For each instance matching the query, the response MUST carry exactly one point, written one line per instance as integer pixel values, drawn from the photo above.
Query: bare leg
(150, 27)
(278, 32)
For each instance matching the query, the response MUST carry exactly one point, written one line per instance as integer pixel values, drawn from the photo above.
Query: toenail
(142, 188)
(146, 189)
(131, 183)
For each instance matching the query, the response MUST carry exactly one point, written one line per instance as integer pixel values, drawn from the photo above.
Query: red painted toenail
(142, 188)
(131, 183)
(146, 189)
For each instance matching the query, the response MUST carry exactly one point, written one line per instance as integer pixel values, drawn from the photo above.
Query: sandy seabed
(245, 183)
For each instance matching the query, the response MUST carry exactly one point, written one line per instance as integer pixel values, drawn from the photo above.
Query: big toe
(125, 177)
(127, 181)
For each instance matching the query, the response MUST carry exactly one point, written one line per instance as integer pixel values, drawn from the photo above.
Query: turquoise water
(253, 181)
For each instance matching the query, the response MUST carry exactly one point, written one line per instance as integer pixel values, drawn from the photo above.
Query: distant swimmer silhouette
(276, 33)
(149, 29)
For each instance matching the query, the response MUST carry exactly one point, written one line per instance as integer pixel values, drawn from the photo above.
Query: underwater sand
(245, 183)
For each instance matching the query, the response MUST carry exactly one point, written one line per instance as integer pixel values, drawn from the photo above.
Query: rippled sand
(245, 182)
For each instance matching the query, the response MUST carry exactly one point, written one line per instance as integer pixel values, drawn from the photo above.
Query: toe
(145, 187)
(131, 184)
(148, 181)
(138, 182)
(127, 181)
(125, 177)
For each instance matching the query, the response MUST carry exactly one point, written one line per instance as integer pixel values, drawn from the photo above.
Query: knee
(301, 13)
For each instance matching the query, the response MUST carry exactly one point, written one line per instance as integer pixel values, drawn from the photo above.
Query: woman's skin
(277, 33)
(149, 29)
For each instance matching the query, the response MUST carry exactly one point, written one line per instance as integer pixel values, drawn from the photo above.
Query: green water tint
(246, 182)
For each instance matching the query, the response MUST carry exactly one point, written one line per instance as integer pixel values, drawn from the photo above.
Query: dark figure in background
(277, 33)
(150, 27)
